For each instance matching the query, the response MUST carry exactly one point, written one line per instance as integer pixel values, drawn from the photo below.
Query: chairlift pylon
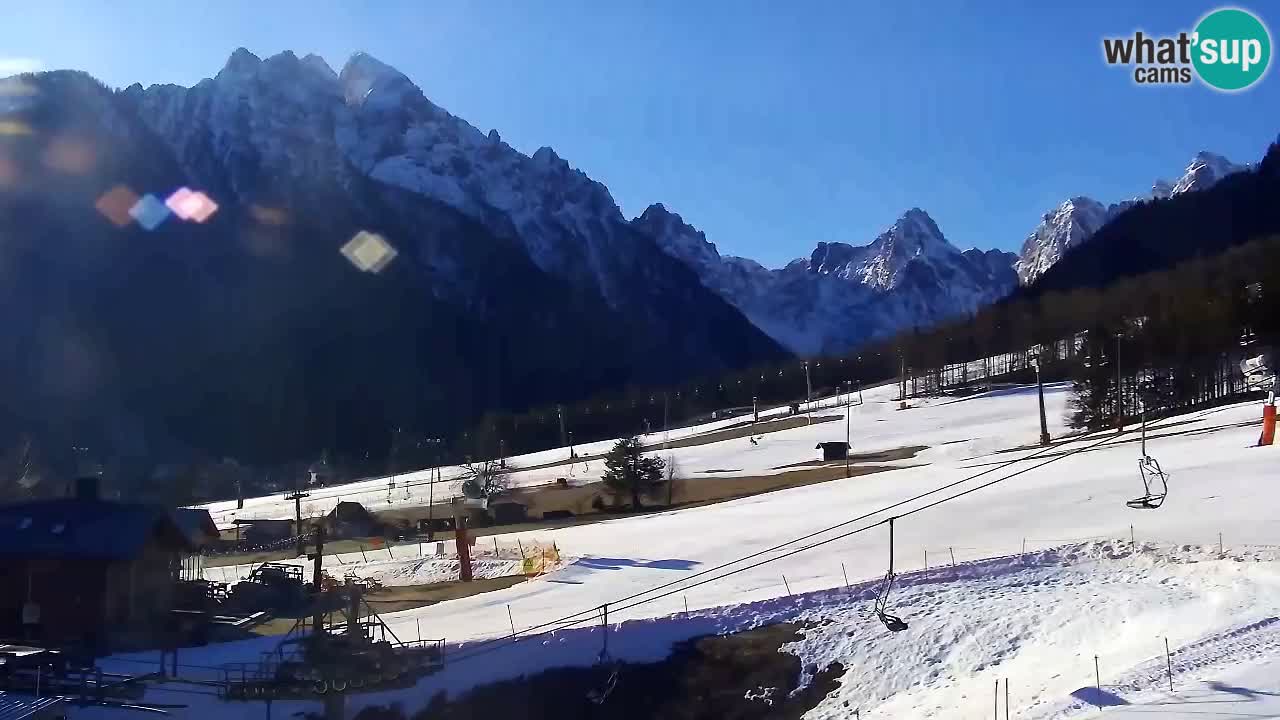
(891, 621)
(601, 694)
(1152, 476)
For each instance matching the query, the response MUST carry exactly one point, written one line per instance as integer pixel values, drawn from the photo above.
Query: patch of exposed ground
(903, 453)
(732, 432)
(743, 676)
(394, 599)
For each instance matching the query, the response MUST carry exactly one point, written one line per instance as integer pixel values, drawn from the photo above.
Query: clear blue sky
(769, 125)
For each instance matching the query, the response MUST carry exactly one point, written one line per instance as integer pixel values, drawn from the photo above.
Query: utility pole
(317, 572)
(665, 430)
(1119, 388)
(1044, 423)
(808, 392)
(666, 436)
(564, 440)
(848, 410)
(296, 497)
(902, 379)
(431, 484)
(755, 408)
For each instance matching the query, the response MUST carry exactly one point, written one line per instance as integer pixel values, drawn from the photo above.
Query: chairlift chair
(601, 694)
(1155, 481)
(891, 621)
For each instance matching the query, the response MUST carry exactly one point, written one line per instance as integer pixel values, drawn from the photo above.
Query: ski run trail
(1043, 580)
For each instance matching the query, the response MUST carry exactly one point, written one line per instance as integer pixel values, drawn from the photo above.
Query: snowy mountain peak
(916, 227)
(842, 294)
(1061, 229)
(363, 74)
(1204, 170)
(830, 257)
(914, 236)
(547, 157)
(1078, 218)
(317, 63)
(242, 62)
(679, 239)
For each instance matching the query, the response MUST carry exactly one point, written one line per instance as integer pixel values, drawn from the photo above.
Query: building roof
(83, 528)
(197, 525)
(350, 511)
(20, 707)
(262, 521)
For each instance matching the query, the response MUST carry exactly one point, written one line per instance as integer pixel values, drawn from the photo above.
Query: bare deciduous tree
(485, 478)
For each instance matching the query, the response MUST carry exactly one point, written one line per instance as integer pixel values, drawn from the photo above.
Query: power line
(882, 522)
(570, 621)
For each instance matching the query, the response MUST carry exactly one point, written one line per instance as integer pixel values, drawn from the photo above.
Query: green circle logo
(1232, 49)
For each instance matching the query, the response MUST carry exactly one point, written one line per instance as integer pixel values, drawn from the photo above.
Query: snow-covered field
(971, 428)
(1046, 576)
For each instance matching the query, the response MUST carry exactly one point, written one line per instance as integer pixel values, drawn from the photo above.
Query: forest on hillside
(1172, 286)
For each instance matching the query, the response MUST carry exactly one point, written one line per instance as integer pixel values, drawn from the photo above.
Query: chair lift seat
(1151, 472)
(599, 695)
(892, 622)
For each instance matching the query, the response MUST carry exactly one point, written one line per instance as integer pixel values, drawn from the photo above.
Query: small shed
(265, 531)
(351, 520)
(509, 512)
(838, 450)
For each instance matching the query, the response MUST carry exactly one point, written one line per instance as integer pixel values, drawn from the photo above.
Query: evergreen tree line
(1177, 332)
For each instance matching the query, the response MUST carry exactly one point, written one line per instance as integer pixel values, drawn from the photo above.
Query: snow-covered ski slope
(1046, 575)
(951, 428)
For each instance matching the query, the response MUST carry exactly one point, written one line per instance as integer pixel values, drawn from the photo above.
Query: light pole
(1119, 388)
(560, 414)
(848, 410)
(808, 392)
(1044, 423)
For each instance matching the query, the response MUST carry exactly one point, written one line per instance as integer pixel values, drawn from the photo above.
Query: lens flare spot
(15, 127)
(70, 155)
(268, 215)
(369, 252)
(191, 205)
(8, 172)
(149, 212)
(116, 204)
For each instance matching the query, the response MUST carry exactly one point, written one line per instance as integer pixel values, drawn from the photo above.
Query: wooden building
(82, 570)
(833, 450)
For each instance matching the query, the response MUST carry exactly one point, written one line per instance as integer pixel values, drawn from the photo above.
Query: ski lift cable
(913, 511)
(578, 617)
(569, 621)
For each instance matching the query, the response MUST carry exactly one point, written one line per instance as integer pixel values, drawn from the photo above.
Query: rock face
(842, 295)
(1076, 220)
(515, 279)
